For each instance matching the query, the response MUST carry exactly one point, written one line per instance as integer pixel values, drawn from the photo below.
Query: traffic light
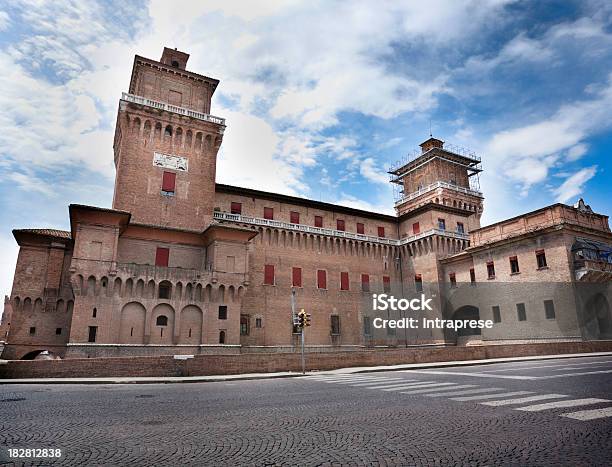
(301, 318)
(308, 319)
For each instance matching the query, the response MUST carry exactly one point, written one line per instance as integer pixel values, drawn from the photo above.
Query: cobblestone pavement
(554, 412)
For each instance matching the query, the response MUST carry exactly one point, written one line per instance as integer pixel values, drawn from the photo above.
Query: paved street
(551, 412)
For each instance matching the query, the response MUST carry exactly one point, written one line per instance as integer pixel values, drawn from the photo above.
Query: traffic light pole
(303, 359)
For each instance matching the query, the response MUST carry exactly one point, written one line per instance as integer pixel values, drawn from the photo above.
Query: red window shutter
(344, 281)
(322, 279)
(294, 217)
(339, 224)
(365, 282)
(360, 228)
(381, 232)
(162, 255)
(387, 284)
(269, 274)
(297, 277)
(236, 208)
(416, 228)
(168, 182)
(269, 213)
(318, 221)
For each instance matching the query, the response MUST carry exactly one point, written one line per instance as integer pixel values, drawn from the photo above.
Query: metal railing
(416, 153)
(172, 108)
(435, 186)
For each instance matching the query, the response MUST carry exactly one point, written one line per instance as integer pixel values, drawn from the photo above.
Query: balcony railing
(226, 216)
(435, 186)
(172, 108)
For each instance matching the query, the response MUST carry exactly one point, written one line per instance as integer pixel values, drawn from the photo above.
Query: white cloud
(574, 185)
(353, 202)
(371, 170)
(576, 152)
(5, 20)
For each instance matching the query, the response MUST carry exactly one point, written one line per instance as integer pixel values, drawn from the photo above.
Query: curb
(259, 376)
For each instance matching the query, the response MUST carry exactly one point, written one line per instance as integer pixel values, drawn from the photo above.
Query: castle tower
(166, 144)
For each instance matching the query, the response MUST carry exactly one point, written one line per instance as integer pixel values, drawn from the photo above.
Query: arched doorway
(467, 312)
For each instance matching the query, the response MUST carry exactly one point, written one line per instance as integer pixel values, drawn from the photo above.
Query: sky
(320, 97)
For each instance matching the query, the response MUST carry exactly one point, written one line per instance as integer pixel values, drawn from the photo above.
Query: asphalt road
(551, 412)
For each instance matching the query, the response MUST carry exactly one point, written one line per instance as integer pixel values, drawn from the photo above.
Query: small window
(93, 331)
(386, 284)
(521, 312)
(162, 255)
(418, 283)
(161, 320)
(168, 131)
(344, 281)
(416, 228)
(95, 312)
(453, 280)
(514, 266)
(321, 279)
(294, 217)
(340, 224)
(365, 282)
(269, 213)
(496, 314)
(360, 228)
(472, 276)
(269, 274)
(244, 325)
(236, 208)
(175, 64)
(221, 337)
(541, 259)
(58, 331)
(335, 325)
(549, 309)
(222, 311)
(32, 330)
(258, 323)
(491, 270)
(460, 228)
(318, 221)
(168, 183)
(381, 232)
(367, 325)
(164, 290)
(296, 276)
(441, 224)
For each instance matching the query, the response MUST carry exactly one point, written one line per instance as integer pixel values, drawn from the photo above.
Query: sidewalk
(285, 374)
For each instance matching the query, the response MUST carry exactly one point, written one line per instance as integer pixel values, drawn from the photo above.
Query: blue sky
(320, 97)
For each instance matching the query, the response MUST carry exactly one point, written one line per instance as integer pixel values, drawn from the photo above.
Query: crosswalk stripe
(592, 414)
(371, 381)
(339, 380)
(563, 375)
(561, 404)
(523, 400)
(433, 389)
(465, 392)
(406, 385)
(551, 366)
(391, 381)
(491, 396)
(401, 388)
(450, 388)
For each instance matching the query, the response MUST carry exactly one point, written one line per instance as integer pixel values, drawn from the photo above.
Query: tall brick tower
(166, 144)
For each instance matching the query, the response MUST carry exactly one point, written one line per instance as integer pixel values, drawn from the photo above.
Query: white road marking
(480, 375)
(451, 388)
(407, 386)
(340, 380)
(432, 389)
(561, 404)
(491, 396)
(575, 374)
(589, 414)
(466, 392)
(523, 400)
(373, 381)
(393, 384)
(552, 366)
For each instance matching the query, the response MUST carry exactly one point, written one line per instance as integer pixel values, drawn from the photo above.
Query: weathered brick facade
(182, 265)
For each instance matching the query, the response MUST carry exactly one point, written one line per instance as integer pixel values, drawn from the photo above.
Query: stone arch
(128, 288)
(27, 305)
(191, 325)
(208, 293)
(198, 293)
(38, 305)
(60, 306)
(16, 303)
(240, 292)
(220, 294)
(198, 141)
(139, 289)
(164, 290)
(221, 337)
(231, 293)
(104, 286)
(136, 125)
(150, 289)
(188, 139)
(178, 138)
(178, 291)
(162, 334)
(217, 142)
(91, 286)
(69, 306)
(158, 132)
(189, 292)
(132, 325)
(117, 287)
(168, 134)
(147, 131)
(208, 142)
(468, 312)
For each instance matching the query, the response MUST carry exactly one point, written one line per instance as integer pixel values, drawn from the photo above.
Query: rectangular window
(32, 330)
(321, 279)
(521, 312)
(344, 281)
(222, 311)
(244, 325)
(491, 270)
(472, 276)
(541, 259)
(549, 309)
(93, 330)
(381, 232)
(416, 228)
(453, 279)
(296, 277)
(236, 208)
(360, 228)
(335, 325)
(496, 314)
(269, 213)
(418, 283)
(162, 256)
(340, 224)
(367, 325)
(269, 274)
(460, 228)
(168, 183)
(258, 323)
(164, 291)
(514, 266)
(318, 221)
(58, 331)
(386, 284)
(294, 217)
(441, 224)
(365, 282)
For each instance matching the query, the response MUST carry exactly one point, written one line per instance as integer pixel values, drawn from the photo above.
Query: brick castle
(184, 265)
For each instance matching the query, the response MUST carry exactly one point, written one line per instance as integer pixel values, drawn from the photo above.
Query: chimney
(430, 144)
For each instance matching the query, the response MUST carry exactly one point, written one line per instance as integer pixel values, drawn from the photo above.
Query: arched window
(222, 337)
(168, 131)
(162, 321)
(165, 290)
